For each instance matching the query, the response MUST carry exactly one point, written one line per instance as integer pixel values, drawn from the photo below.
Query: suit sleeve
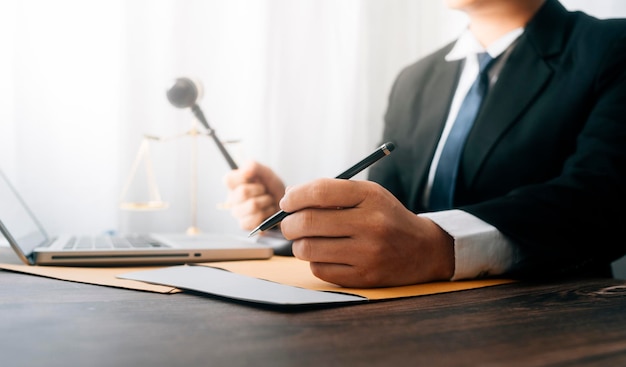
(573, 222)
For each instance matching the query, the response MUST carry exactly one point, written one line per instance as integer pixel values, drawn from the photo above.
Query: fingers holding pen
(373, 241)
(324, 193)
(319, 190)
(327, 208)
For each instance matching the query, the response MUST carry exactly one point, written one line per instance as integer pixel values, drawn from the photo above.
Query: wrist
(443, 252)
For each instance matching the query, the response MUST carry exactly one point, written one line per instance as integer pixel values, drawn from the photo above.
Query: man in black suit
(538, 183)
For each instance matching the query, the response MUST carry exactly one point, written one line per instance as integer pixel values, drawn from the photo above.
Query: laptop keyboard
(109, 242)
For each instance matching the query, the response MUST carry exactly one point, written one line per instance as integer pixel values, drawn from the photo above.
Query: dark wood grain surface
(46, 322)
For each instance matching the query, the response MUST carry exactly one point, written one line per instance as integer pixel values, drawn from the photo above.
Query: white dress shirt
(479, 248)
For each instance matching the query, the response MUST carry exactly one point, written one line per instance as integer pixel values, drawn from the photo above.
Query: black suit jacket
(545, 162)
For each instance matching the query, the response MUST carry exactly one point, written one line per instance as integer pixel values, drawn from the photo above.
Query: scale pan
(147, 205)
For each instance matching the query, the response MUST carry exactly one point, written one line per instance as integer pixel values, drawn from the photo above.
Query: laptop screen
(16, 220)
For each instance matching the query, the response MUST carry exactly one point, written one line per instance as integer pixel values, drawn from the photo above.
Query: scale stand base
(193, 230)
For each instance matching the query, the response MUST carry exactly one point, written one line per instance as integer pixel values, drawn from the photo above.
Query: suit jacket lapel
(429, 121)
(520, 81)
(501, 108)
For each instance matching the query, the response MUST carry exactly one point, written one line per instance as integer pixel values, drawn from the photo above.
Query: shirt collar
(468, 45)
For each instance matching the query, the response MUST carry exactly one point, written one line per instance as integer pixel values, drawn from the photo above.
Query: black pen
(379, 153)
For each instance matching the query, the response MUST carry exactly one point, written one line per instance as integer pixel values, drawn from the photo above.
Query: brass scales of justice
(184, 93)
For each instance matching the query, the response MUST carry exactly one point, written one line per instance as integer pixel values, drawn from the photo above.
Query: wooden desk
(45, 322)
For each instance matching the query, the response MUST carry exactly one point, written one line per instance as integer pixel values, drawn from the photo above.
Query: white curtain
(300, 85)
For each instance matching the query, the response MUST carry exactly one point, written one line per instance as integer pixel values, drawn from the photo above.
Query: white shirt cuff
(480, 250)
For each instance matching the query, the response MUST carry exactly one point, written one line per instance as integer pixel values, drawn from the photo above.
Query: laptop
(25, 234)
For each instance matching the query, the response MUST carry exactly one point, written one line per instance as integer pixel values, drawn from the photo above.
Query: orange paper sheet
(294, 272)
(279, 269)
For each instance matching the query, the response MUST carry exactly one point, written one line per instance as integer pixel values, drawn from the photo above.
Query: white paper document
(236, 286)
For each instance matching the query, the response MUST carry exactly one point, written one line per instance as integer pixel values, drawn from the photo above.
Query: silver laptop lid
(19, 226)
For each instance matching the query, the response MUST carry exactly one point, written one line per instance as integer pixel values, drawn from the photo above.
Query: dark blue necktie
(442, 191)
